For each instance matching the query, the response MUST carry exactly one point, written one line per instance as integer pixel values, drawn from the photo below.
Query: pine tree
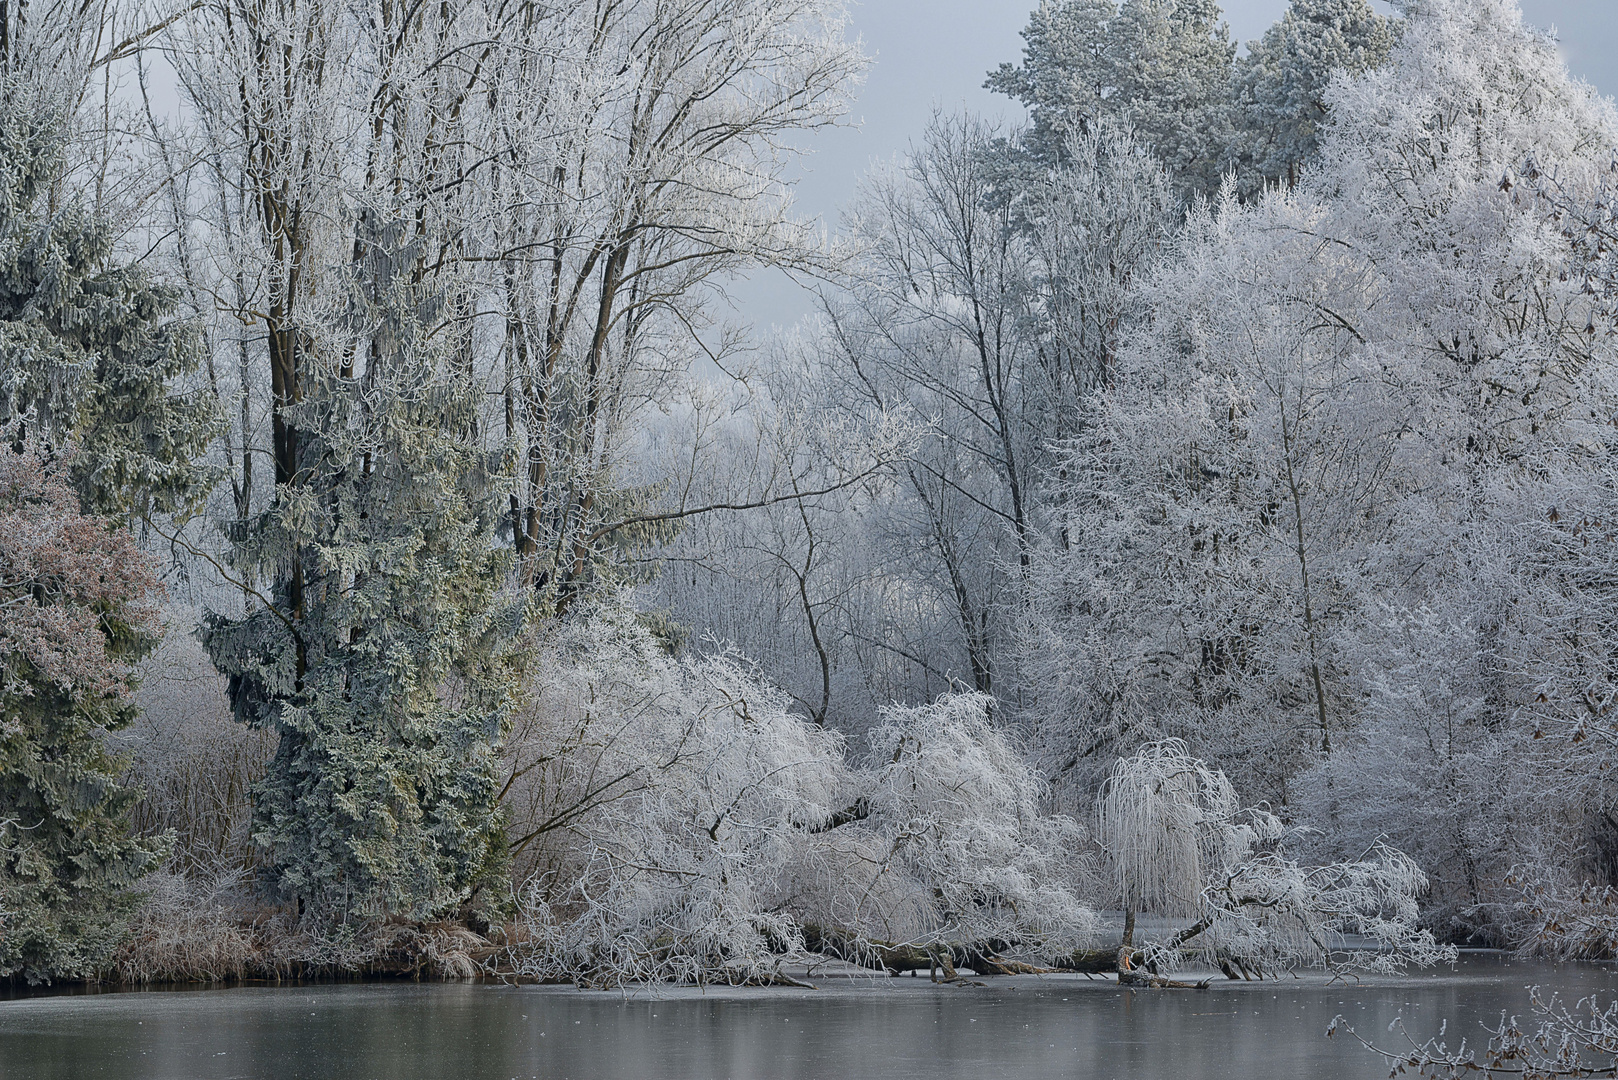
(1164, 67)
(1284, 79)
(381, 660)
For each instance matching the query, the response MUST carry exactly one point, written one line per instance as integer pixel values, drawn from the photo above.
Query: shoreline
(831, 979)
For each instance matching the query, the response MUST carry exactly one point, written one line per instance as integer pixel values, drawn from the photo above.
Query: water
(1025, 1027)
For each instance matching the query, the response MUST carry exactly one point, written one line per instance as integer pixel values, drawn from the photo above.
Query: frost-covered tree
(1284, 77)
(932, 325)
(1181, 844)
(1163, 66)
(591, 194)
(662, 811)
(1324, 499)
(1091, 229)
(654, 168)
(796, 583)
(394, 217)
(990, 308)
(379, 658)
(678, 821)
(990, 303)
(1222, 513)
(1498, 327)
(961, 816)
(77, 608)
(90, 350)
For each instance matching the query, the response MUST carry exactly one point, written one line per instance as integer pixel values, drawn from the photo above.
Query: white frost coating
(688, 786)
(1181, 844)
(961, 814)
(686, 825)
(1345, 508)
(1158, 812)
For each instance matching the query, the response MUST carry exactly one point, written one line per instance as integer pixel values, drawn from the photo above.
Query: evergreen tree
(89, 348)
(381, 660)
(1066, 79)
(1163, 66)
(89, 357)
(1284, 79)
(74, 613)
(1173, 62)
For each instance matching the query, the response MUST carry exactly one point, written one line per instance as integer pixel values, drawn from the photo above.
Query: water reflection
(900, 1028)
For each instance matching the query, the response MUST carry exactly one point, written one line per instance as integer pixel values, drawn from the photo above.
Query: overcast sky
(935, 53)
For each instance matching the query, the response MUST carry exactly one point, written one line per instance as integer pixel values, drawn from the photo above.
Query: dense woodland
(1199, 500)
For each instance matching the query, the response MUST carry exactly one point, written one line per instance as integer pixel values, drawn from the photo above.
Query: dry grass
(190, 930)
(193, 763)
(186, 931)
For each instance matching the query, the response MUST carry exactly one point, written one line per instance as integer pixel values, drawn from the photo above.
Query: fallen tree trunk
(898, 957)
(866, 952)
(1105, 962)
(1088, 961)
(1143, 978)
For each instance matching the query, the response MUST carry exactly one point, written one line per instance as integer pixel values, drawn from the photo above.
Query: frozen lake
(1024, 1027)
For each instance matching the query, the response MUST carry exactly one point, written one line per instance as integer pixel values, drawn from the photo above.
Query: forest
(1198, 501)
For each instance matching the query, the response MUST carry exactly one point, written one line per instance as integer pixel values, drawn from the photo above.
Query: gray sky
(935, 53)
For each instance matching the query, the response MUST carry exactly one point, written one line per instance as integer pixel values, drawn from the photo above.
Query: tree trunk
(895, 958)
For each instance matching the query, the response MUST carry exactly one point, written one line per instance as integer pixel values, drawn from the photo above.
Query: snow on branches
(1343, 505)
(669, 805)
(1180, 843)
(683, 824)
(1581, 1040)
(960, 814)
(66, 582)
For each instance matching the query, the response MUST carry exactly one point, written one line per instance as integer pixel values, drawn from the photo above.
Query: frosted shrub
(668, 801)
(1577, 1040)
(675, 821)
(960, 816)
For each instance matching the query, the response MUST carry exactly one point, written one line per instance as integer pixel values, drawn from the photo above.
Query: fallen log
(898, 957)
(866, 952)
(1105, 962)
(1139, 977)
(779, 978)
(1130, 975)
(943, 961)
(1088, 961)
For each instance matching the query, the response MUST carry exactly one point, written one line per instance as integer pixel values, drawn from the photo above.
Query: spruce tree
(90, 349)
